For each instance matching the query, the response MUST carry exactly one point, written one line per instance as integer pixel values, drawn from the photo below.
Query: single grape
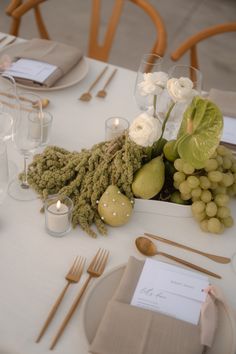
(204, 182)
(228, 222)
(211, 165)
(214, 185)
(206, 196)
(204, 225)
(214, 226)
(179, 177)
(215, 176)
(231, 191)
(222, 150)
(221, 199)
(214, 155)
(188, 169)
(198, 207)
(184, 188)
(176, 185)
(227, 163)
(179, 163)
(176, 198)
(186, 196)
(200, 216)
(211, 209)
(227, 179)
(193, 182)
(223, 212)
(196, 192)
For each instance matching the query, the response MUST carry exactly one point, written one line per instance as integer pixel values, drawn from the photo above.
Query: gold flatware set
(94, 270)
(102, 93)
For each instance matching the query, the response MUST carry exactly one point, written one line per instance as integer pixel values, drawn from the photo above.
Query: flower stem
(166, 118)
(155, 106)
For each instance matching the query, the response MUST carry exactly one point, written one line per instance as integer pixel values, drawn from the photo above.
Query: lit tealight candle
(115, 126)
(58, 216)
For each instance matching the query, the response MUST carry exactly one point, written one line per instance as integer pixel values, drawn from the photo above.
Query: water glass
(150, 63)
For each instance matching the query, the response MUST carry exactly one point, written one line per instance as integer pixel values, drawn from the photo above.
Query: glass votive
(40, 123)
(58, 214)
(115, 127)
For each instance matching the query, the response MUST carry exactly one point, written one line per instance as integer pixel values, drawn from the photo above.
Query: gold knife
(214, 257)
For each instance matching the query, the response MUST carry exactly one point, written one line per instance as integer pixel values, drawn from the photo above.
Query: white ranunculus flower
(145, 130)
(153, 83)
(181, 89)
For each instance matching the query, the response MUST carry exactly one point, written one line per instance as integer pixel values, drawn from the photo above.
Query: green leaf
(200, 132)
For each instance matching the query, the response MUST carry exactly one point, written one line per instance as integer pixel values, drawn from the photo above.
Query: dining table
(33, 264)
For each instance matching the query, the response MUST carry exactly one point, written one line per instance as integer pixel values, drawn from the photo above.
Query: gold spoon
(214, 257)
(102, 93)
(86, 96)
(148, 248)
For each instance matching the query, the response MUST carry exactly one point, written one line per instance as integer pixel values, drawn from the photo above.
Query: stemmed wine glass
(150, 63)
(27, 138)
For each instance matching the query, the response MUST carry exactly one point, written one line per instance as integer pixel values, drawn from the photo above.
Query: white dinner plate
(103, 289)
(75, 75)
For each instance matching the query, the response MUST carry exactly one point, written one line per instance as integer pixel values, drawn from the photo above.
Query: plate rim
(225, 305)
(52, 88)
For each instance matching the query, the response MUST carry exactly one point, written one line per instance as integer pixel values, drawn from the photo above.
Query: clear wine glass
(27, 138)
(150, 63)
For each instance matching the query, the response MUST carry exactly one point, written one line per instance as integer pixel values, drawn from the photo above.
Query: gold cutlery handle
(52, 312)
(190, 265)
(70, 313)
(109, 79)
(98, 78)
(214, 257)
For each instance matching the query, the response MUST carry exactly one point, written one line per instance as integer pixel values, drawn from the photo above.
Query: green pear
(114, 207)
(149, 179)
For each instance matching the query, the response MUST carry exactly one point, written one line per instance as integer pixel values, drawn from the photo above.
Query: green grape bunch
(208, 189)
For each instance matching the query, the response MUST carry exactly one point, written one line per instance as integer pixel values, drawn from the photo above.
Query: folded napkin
(127, 329)
(63, 56)
(225, 100)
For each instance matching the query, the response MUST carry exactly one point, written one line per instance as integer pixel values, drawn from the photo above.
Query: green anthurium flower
(200, 132)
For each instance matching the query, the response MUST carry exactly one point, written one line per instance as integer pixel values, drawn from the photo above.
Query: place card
(171, 290)
(229, 131)
(31, 69)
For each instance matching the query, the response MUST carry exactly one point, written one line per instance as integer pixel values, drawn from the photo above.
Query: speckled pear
(149, 179)
(114, 207)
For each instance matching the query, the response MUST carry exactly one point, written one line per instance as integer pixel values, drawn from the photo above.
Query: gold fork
(95, 270)
(73, 276)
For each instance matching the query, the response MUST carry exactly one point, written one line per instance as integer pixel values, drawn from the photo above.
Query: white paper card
(171, 290)
(31, 69)
(229, 132)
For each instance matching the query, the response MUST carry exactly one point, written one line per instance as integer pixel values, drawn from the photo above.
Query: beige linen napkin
(64, 56)
(225, 100)
(127, 329)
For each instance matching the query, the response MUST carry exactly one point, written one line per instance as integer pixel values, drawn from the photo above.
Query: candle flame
(117, 122)
(58, 205)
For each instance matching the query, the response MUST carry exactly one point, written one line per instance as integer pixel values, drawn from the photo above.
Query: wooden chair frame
(17, 8)
(102, 51)
(191, 42)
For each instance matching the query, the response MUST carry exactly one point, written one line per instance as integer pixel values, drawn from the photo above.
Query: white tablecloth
(33, 264)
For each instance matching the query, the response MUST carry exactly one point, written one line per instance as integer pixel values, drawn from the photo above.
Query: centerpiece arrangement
(193, 168)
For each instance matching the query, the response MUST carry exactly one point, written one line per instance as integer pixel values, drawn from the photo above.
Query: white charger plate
(75, 75)
(103, 290)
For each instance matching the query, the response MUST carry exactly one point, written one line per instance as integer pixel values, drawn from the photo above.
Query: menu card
(172, 290)
(31, 69)
(229, 132)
